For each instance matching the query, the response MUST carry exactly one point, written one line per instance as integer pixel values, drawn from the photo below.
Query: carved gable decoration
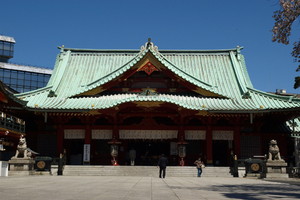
(149, 68)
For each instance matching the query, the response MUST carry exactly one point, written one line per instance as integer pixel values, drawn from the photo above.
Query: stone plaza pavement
(142, 188)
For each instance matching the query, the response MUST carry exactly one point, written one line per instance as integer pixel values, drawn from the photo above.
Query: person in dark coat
(162, 163)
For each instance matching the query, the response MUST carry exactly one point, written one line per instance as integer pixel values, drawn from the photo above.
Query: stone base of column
(23, 165)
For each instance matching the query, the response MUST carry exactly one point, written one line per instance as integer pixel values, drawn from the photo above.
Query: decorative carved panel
(149, 68)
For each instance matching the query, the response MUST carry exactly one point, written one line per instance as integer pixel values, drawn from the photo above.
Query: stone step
(172, 171)
(20, 173)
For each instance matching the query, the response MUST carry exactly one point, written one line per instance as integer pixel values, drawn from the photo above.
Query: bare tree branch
(284, 18)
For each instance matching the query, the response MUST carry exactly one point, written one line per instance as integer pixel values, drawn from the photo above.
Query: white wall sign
(195, 134)
(74, 133)
(148, 134)
(222, 135)
(86, 152)
(101, 134)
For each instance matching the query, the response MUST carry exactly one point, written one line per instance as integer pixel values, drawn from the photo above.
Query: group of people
(163, 162)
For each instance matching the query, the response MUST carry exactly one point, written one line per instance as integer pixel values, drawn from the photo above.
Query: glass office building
(23, 78)
(20, 78)
(6, 48)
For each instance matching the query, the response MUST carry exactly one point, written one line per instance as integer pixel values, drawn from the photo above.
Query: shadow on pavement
(253, 192)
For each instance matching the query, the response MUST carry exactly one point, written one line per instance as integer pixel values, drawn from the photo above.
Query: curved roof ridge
(108, 77)
(279, 97)
(30, 93)
(188, 102)
(238, 73)
(161, 50)
(184, 74)
(109, 101)
(245, 71)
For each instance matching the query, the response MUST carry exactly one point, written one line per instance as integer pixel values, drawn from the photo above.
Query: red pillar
(209, 153)
(209, 139)
(237, 141)
(181, 143)
(115, 143)
(115, 133)
(60, 139)
(88, 134)
(181, 134)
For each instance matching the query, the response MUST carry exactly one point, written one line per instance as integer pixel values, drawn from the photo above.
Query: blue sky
(40, 26)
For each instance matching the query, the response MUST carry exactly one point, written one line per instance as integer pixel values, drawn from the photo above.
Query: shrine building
(100, 104)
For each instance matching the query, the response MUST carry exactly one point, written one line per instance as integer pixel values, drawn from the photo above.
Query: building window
(14, 74)
(23, 81)
(6, 49)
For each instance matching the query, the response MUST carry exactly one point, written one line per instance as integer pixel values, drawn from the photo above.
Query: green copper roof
(193, 103)
(88, 70)
(222, 72)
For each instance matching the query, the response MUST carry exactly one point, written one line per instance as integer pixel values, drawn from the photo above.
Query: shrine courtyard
(145, 188)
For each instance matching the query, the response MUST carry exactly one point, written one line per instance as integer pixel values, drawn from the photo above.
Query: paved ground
(142, 188)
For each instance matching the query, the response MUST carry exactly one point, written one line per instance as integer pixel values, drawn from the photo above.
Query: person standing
(199, 164)
(162, 163)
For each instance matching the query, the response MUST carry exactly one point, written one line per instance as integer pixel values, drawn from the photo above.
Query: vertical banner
(86, 152)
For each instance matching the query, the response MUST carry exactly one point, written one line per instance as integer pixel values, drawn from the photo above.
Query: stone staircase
(149, 171)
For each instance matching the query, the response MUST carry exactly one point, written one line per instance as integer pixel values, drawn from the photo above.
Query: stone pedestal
(22, 166)
(241, 172)
(276, 169)
(3, 168)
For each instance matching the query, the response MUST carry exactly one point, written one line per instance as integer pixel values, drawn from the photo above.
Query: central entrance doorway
(148, 151)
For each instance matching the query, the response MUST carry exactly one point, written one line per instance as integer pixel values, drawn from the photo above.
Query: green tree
(287, 14)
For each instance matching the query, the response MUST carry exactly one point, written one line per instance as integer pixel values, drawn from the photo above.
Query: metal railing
(12, 123)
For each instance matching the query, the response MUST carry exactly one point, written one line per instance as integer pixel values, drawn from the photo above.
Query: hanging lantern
(181, 150)
(114, 150)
